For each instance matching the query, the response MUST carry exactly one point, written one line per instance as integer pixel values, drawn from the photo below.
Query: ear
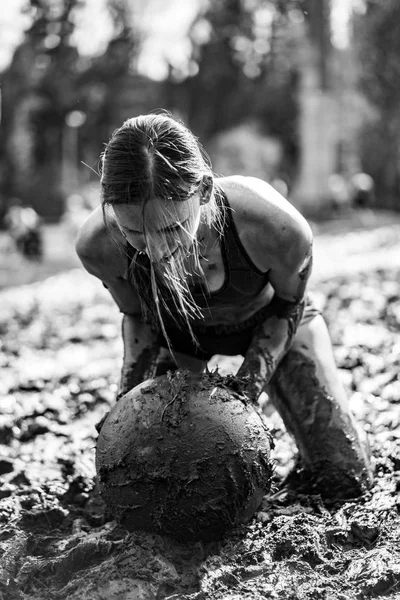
(206, 189)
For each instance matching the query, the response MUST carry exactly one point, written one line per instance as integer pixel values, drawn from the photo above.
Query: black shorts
(229, 340)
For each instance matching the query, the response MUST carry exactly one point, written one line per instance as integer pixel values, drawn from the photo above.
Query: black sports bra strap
(237, 254)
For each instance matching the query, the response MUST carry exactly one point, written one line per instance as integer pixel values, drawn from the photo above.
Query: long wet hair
(156, 156)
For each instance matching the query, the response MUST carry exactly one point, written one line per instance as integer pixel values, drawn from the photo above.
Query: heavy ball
(182, 456)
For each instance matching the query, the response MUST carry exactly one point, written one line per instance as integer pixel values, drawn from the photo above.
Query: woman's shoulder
(97, 243)
(91, 234)
(267, 222)
(256, 202)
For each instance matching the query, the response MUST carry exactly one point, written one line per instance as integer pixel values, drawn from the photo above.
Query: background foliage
(378, 44)
(59, 107)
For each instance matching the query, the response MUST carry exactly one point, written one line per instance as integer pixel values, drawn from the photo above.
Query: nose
(154, 249)
(138, 245)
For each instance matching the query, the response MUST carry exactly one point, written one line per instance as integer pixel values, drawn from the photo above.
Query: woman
(202, 265)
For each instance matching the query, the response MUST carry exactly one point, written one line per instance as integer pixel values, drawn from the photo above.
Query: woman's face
(161, 227)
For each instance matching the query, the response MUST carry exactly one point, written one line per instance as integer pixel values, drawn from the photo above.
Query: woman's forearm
(140, 353)
(270, 343)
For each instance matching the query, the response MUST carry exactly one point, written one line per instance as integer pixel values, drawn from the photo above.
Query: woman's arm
(273, 337)
(279, 241)
(141, 351)
(101, 257)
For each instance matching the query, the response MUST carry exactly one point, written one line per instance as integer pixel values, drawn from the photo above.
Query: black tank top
(243, 280)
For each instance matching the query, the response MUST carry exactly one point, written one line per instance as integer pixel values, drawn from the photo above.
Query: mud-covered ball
(185, 457)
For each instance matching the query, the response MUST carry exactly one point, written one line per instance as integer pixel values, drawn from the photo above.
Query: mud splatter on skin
(328, 443)
(291, 312)
(136, 372)
(184, 457)
(261, 360)
(306, 268)
(141, 352)
(273, 338)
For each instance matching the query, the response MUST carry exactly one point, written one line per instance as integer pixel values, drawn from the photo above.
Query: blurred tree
(111, 90)
(40, 88)
(215, 96)
(318, 101)
(58, 107)
(37, 87)
(378, 45)
(246, 63)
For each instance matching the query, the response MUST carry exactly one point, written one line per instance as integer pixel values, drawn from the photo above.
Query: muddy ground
(60, 358)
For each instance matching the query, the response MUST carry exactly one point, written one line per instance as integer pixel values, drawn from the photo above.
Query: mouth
(172, 255)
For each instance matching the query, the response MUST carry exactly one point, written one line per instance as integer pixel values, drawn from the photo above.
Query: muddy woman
(201, 265)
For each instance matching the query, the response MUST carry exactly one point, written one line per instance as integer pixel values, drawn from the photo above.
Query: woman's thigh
(311, 399)
(306, 380)
(313, 342)
(166, 361)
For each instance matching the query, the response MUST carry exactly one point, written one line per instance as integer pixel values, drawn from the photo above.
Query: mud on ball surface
(184, 457)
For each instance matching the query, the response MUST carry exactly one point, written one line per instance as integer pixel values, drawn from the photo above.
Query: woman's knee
(313, 341)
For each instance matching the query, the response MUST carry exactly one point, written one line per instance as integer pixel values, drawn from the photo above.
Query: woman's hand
(271, 341)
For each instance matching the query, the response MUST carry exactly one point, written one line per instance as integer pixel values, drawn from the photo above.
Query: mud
(61, 354)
